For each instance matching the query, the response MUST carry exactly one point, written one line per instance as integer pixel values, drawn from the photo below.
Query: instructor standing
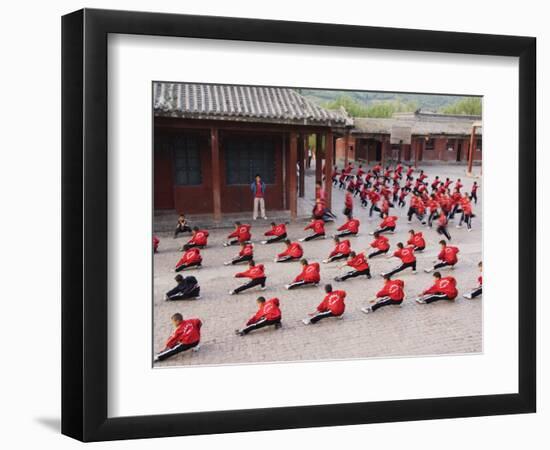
(258, 192)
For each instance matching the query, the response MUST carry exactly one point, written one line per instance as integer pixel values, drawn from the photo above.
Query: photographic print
(296, 224)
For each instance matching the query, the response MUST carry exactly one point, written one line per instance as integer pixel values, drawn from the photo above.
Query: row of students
(186, 334)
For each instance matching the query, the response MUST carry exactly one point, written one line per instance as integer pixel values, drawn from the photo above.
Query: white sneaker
(459, 226)
(196, 348)
(468, 296)
(287, 286)
(469, 229)
(301, 239)
(366, 309)
(324, 236)
(420, 300)
(231, 292)
(325, 261)
(306, 321)
(198, 297)
(428, 270)
(382, 274)
(263, 242)
(414, 272)
(263, 288)
(227, 263)
(264, 217)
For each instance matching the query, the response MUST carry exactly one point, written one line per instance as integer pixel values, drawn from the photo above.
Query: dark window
(478, 144)
(187, 161)
(430, 144)
(245, 157)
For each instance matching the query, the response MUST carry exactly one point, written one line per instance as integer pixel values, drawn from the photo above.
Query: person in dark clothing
(182, 226)
(187, 288)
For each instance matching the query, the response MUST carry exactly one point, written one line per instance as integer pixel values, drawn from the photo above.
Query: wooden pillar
(292, 182)
(216, 189)
(471, 150)
(301, 165)
(346, 149)
(383, 153)
(416, 147)
(329, 149)
(318, 157)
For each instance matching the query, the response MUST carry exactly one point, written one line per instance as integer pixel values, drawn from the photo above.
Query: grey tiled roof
(420, 124)
(241, 103)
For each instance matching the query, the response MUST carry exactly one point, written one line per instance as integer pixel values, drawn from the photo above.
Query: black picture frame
(84, 224)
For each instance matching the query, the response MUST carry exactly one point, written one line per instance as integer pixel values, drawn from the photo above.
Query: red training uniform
(352, 225)
(333, 302)
(276, 230)
(445, 285)
(392, 289)
(187, 332)
(381, 243)
(359, 262)
(269, 310)
(294, 250)
(253, 273)
(405, 254)
(191, 256)
(310, 274)
(342, 248)
(318, 226)
(417, 240)
(242, 233)
(448, 254)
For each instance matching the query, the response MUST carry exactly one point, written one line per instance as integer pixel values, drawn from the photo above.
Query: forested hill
(383, 104)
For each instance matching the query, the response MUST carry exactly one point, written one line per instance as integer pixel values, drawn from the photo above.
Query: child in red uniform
(442, 225)
(309, 276)
(241, 234)
(333, 305)
(350, 228)
(268, 314)
(380, 243)
(476, 292)
(473, 192)
(186, 335)
(318, 227)
(190, 258)
(293, 252)
(278, 231)
(374, 198)
(156, 242)
(388, 225)
(348, 202)
(406, 255)
(359, 265)
(467, 213)
(257, 277)
(199, 238)
(391, 294)
(443, 289)
(447, 257)
(342, 249)
(246, 253)
(416, 240)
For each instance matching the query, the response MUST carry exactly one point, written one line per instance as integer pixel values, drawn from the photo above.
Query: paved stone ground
(440, 328)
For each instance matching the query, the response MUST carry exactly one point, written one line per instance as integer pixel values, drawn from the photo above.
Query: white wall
(30, 221)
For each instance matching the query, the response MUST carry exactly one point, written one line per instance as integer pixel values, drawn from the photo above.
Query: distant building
(413, 137)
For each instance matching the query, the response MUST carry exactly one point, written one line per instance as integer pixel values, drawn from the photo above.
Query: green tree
(467, 106)
(375, 109)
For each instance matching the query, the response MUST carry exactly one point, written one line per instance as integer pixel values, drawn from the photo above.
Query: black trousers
(180, 296)
(419, 249)
(345, 233)
(401, 203)
(354, 274)
(178, 348)
(466, 218)
(182, 229)
(442, 264)
(435, 298)
(188, 246)
(413, 211)
(364, 202)
(337, 257)
(476, 292)
(385, 229)
(378, 252)
(240, 259)
(385, 301)
(443, 230)
(286, 259)
(321, 315)
(280, 238)
(347, 211)
(455, 210)
(296, 284)
(474, 197)
(313, 236)
(260, 324)
(402, 267)
(373, 207)
(186, 266)
(431, 217)
(250, 284)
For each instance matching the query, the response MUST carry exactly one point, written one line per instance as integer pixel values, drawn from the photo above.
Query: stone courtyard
(440, 328)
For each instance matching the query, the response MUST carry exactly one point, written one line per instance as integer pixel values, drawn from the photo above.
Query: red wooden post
(301, 165)
(416, 146)
(216, 191)
(329, 148)
(318, 157)
(292, 185)
(346, 149)
(471, 150)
